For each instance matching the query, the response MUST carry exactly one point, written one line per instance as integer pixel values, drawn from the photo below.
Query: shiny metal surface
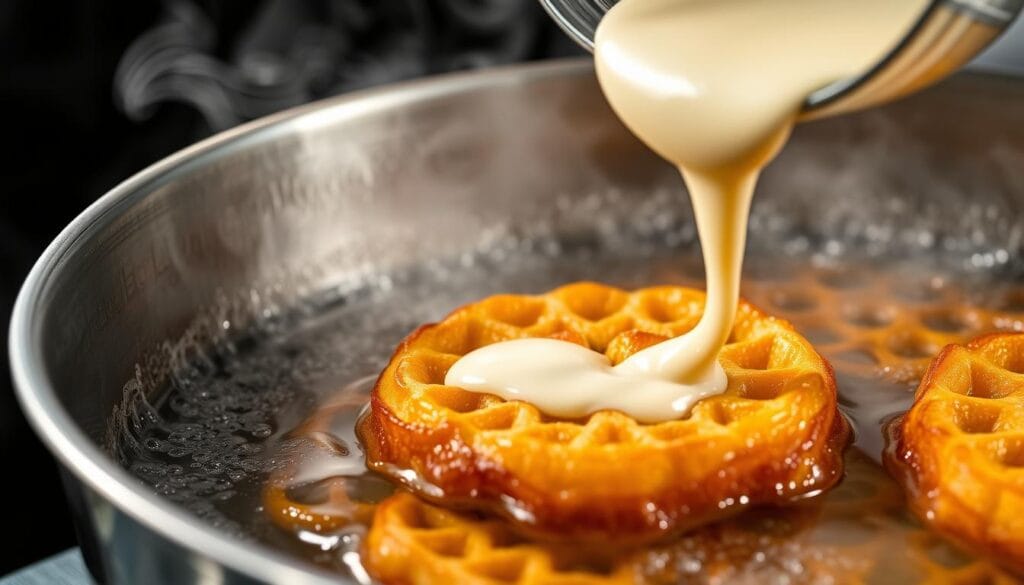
(948, 35)
(65, 568)
(323, 197)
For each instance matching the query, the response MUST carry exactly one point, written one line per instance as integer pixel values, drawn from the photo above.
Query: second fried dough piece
(959, 450)
(411, 541)
(775, 434)
(854, 536)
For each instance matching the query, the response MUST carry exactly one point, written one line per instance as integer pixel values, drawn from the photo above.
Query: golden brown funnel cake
(960, 448)
(774, 435)
(413, 542)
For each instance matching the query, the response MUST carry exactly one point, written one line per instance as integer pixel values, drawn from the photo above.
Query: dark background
(95, 90)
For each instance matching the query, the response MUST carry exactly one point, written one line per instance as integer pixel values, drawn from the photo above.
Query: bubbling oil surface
(234, 419)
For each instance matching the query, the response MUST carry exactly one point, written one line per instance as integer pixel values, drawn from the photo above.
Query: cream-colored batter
(713, 86)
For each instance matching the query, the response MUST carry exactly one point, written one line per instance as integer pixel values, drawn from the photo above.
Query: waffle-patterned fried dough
(960, 448)
(411, 541)
(414, 542)
(775, 434)
(873, 324)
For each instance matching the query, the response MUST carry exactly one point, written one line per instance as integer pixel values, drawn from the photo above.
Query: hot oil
(278, 407)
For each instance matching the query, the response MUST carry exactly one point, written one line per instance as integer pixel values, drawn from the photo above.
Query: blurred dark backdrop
(94, 90)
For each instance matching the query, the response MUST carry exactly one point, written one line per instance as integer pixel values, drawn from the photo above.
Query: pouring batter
(715, 87)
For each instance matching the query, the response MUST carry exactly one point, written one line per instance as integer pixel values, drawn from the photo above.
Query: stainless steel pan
(332, 196)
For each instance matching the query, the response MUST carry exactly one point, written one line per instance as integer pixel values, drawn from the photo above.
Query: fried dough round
(773, 436)
(411, 541)
(959, 450)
